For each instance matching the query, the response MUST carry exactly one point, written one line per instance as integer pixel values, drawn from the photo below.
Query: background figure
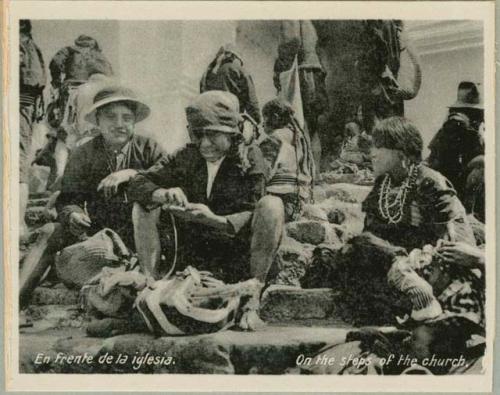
(475, 189)
(70, 68)
(292, 172)
(299, 40)
(31, 84)
(356, 145)
(459, 140)
(389, 72)
(227, 73)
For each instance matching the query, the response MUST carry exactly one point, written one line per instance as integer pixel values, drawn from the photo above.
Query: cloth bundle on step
(113, 291)
(78, 263)
(193, 302)
(439, 288)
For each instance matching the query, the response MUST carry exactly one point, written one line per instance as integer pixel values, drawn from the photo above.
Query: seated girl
(411, 206)
(291, 176)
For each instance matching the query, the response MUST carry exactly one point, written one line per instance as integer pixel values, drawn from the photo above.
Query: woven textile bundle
(78, 263)
(112, 292)
(193, 302)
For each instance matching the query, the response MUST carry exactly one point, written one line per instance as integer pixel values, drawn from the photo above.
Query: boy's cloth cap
(215, 110)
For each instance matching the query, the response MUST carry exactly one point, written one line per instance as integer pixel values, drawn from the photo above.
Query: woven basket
(78, 263)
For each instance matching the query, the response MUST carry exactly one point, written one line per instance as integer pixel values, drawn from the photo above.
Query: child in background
(292, 171)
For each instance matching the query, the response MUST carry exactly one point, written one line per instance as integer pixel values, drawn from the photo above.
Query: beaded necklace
(393, 211)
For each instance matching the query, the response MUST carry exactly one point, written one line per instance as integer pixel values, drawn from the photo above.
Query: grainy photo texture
(251, 196)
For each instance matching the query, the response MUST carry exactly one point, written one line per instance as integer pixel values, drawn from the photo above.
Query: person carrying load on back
(70, 69)
(298, 40)
(227, 73)
(388, 69)
(292, 173)
(32, 81)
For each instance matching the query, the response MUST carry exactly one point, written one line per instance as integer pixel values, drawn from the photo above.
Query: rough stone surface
(53, 296)
(346, 218)
(319, 193)
(38, 202)
(334, 177)
(285, 304)
(54, 316)
(314, 212)
(347, 192)
(305, 231)
(271, 350)
(293, 258)
(36, 216)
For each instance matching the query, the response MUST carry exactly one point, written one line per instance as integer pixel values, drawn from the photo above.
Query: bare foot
(250, 321)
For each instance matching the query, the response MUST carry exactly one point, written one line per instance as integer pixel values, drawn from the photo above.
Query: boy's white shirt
(212, 169)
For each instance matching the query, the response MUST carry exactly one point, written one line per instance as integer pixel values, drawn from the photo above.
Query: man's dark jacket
(234, 193)
(87, 166)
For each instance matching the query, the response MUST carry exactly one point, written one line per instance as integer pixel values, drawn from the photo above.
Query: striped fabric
(416, 275)
(27, 99)
(192, 302)
(404, 278)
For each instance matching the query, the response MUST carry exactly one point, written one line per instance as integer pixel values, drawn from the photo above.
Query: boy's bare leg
(51, 239)
(267, 231)
(147, 239)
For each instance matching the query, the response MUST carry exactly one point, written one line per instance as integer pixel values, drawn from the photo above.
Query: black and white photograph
(272, 193)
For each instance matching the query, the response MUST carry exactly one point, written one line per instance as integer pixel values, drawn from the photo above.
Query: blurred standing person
(475, 189)
(227, 73)
(389, 71)
(459, 140)
(299, 41)
(31, 84)
(70, 68)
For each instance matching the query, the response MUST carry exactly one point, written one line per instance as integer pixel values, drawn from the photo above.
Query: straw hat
(114, 94)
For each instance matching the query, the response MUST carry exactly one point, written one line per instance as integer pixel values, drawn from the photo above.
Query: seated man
(92, 196)
(215, 188)
(475, 189)
(293, 169)
(411, 205)
(460, 138)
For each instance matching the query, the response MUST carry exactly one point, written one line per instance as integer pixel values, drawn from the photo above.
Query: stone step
(38, 202)
(280, 304)
(273, 349)
(40, 195)
(57, 295)
(53, 316)
(288, 304)
(36, 216)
